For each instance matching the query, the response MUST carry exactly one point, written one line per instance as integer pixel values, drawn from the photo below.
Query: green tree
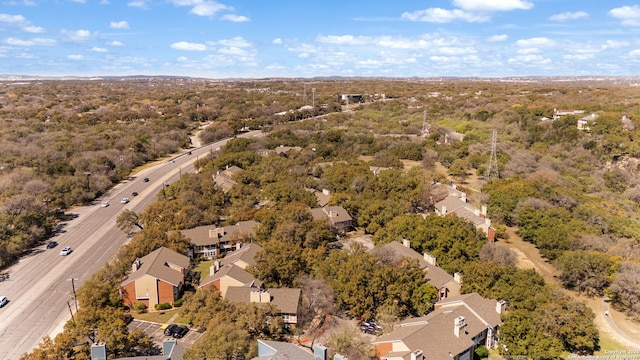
(585, 271)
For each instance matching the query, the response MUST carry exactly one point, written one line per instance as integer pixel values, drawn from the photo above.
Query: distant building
(224, 179)
(350, 98)
(456, 204)
(339, 219)
(583, 123)
(210, 241)
(558, 113)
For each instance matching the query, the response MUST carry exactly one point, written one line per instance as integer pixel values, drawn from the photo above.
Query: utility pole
(73, 286)
(87, 174)
(492, 168)
(313, 96)
(71, 312)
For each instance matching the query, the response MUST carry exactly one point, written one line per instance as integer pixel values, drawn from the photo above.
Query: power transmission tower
(492, 169)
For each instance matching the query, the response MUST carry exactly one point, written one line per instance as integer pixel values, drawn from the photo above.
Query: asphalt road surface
(40, 289)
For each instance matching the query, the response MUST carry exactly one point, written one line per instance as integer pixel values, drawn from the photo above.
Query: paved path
(617, 325)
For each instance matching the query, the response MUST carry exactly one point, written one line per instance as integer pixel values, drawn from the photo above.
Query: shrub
(164, 306)
(178, 303)
(140, 307)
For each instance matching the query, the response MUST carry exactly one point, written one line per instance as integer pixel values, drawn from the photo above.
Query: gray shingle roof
(156, 264)
(285, 299)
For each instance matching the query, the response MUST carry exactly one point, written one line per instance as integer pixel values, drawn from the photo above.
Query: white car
(105, 204)
(3, 301)
(65, 251)
(124, 201)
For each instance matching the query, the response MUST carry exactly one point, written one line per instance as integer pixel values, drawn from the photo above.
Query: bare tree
(498, 254)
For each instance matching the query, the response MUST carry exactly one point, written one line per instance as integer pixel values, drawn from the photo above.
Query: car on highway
(52, 244)
(168, 331)
(105, 204)
(180, 331)
(124, 200)
(145, 179)
(3, 301)
(65, 251)
(134, 194)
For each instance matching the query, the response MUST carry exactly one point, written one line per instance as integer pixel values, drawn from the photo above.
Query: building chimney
(444, 210)
(417, 355)
(265, 297)
(406, 243)
(136, 264)
(326, 191)
(320, 352)
(98, 351)
(487, 221)
(215, 266)
(238, 245)
(254, 296)
(483, 210)
(458, 325)
(501, 306)
(457, 277)
(430, 259)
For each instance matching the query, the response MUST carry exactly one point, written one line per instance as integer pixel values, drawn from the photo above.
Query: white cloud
(31, 42)
(235, 18)
(568, 16)
(530, 59)
(99, 49)
(77, 35)
(20, 22)
(277, 41)
(119, 25)
(492, 5)
(303, 55)
(138, 3)
(628, 15)
(578, 57)
(79, 1)
(75, 57)
(237, 41)
(186, 46)
(526, 51)
(202, 7)
(235, 51)
(439, 15)
(535, 42)
(447, 50)
(116, 43)
(104, 2)
(614, 44)
(20, 3)
(634, 53)
(26, 56)
(498, 38)
(344, 39)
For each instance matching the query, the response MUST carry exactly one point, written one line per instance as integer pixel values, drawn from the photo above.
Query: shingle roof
(156, 264)
(245, 254)
(285, 299)
(234, 272)
(283, 351)
(201, 235)
(434, 333)
(436, 276)
(338, 212)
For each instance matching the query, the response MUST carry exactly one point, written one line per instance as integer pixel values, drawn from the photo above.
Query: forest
(572, 193)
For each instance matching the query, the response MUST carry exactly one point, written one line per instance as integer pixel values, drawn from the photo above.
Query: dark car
(168, 331)
(135, 193)
(180, 331)
(145, 179)
(52, 244)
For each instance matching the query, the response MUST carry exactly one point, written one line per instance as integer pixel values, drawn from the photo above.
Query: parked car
(180, 331)
(105, 204)
(3, 301)
(145, 179)
(168, 331)
(52, 244)
(65, 251)
(124, 200)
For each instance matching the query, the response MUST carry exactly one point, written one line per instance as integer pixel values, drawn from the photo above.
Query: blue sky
(304, 38)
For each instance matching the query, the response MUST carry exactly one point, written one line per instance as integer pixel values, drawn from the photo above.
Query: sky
(306, 38)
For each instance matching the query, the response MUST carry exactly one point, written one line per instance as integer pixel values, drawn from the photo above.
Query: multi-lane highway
(40, 287)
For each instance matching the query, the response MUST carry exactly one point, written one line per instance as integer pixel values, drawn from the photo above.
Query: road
(39, 289)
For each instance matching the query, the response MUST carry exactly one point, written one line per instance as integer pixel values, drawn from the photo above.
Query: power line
(492, 169)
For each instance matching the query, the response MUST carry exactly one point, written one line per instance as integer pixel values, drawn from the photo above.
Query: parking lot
(156, 332)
